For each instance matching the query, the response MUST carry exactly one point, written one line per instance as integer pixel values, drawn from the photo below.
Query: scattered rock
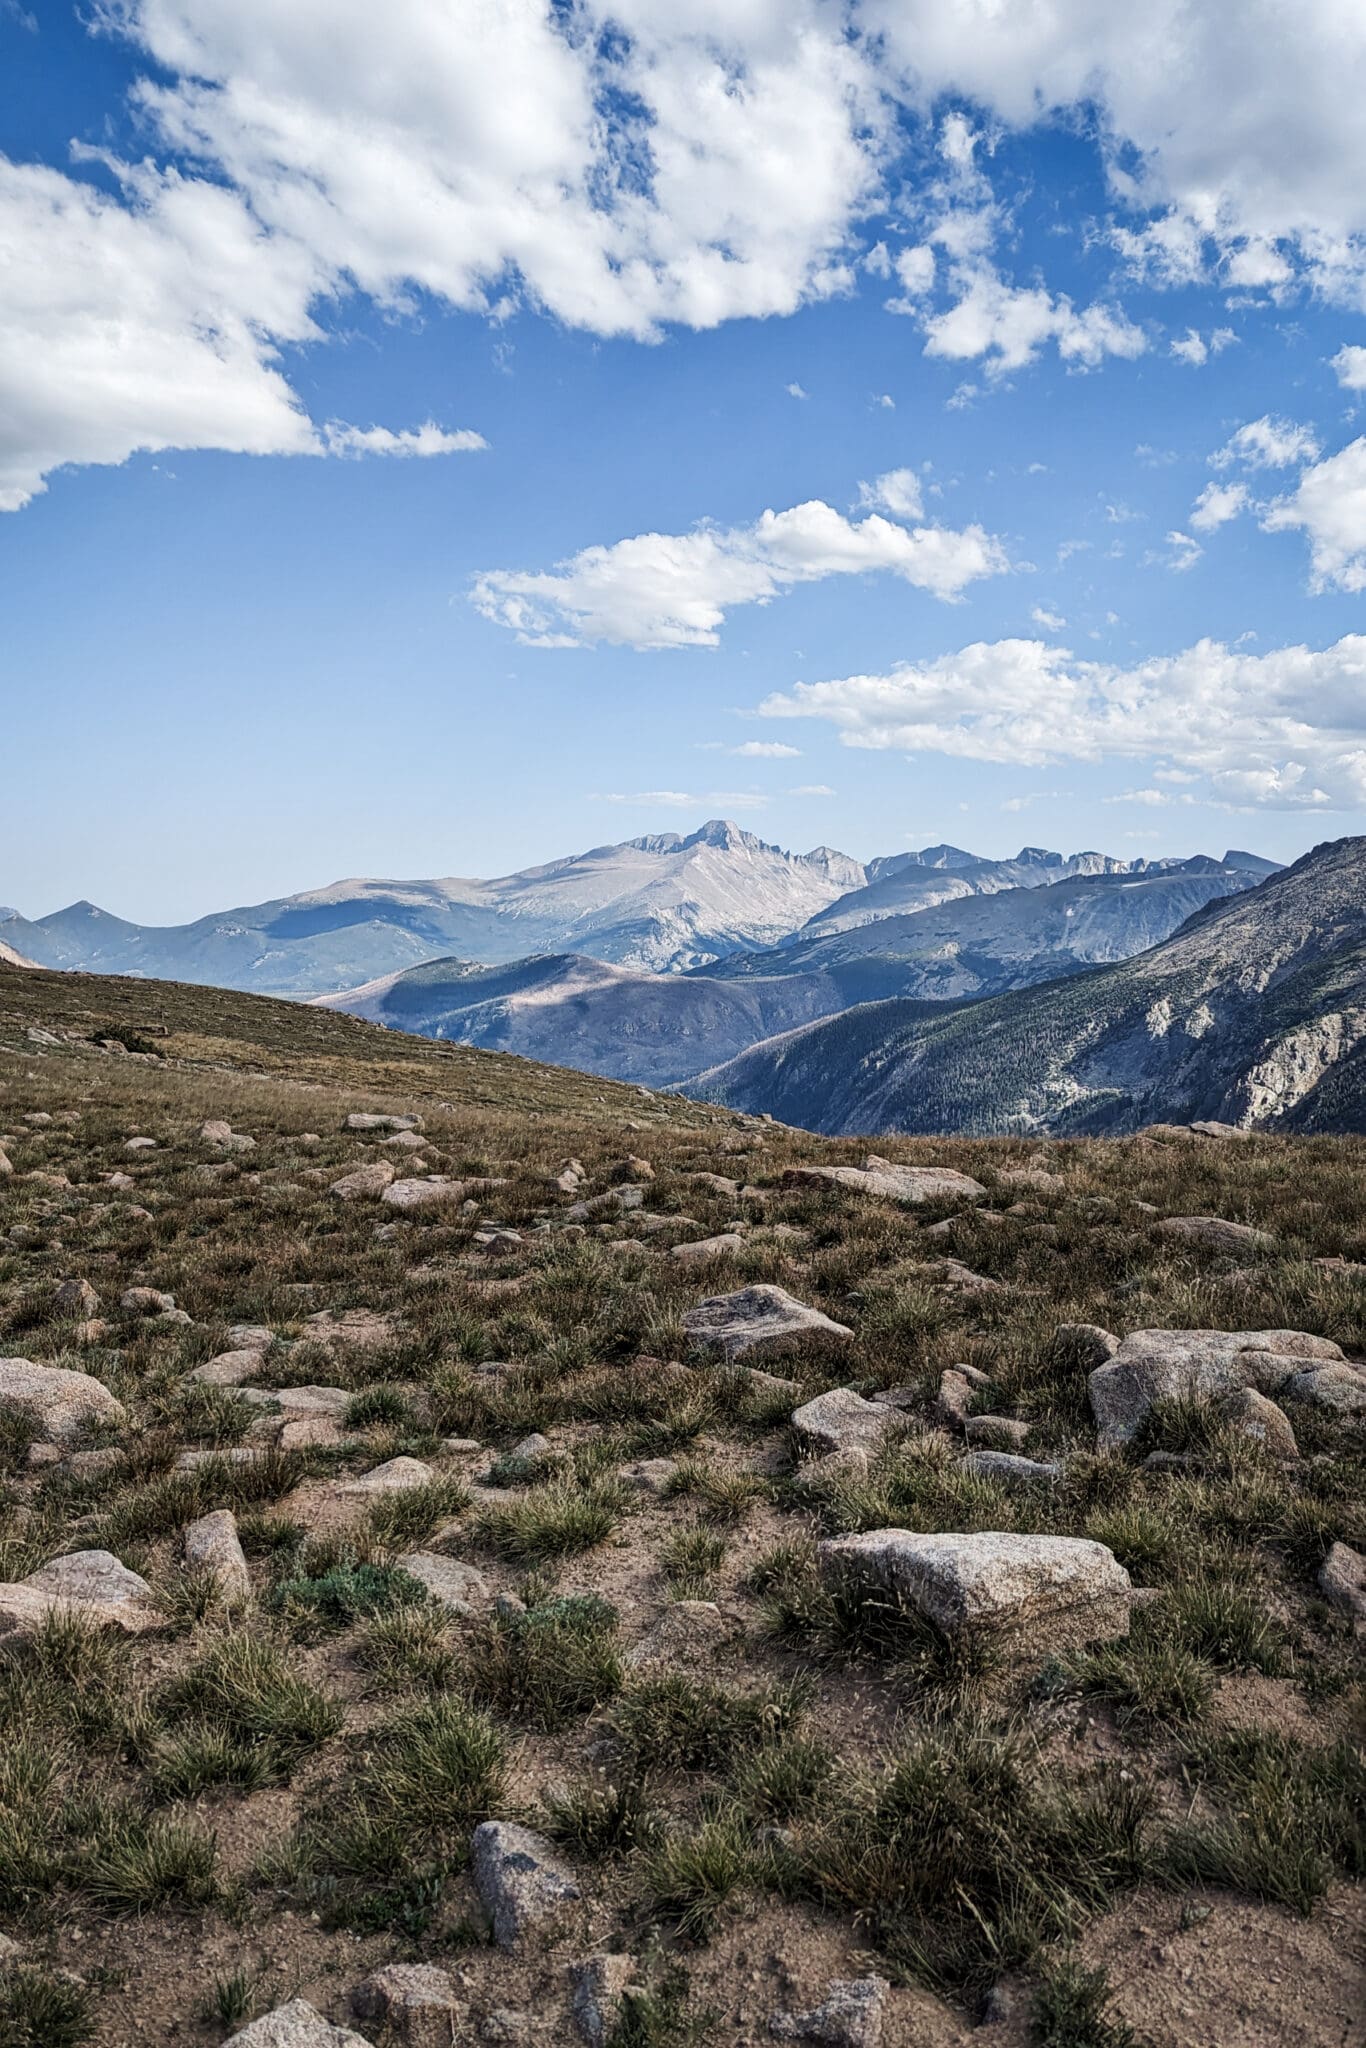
(75, 1298)
(687, 1632)
(361, 1327)
(146, 1301)
(850, 2015)
(995, 1432)
(64, 1403)
(422, 1194)
(1209, 1127)
(228, 1369)
(756, 1320)
(416, 2002)
(394, 1476)
(1346, 1269)
(520, 1878)
(1254, 1416)
(632, 1168)
(841, 1420)
(217, 1132)
(717, 1184)
(5, 1166)
(365, 1183)
(958, 1385)
(722, 1246)
(90, 1583)
(600, 1985)
(228, 1454)
(212, 1545)
(1198, 1365)
(457, 1586)
(405, 1141)
(364, 1120)
(1336, 1386)
(1215, 1234)
(295, 2025)
(1050, 1592)
(1008, 1470)
(651, 1475)
(1342, 1581)
(912, 1184)
(140, 1145)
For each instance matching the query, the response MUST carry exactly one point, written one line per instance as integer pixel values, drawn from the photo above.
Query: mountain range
(661, 1029)
(1253, 1013)
(665, 903)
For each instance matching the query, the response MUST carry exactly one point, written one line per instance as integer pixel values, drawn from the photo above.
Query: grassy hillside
(758, 1788)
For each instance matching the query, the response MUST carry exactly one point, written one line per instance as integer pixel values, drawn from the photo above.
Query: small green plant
(379, 1404)
(409, 1646)
(555, 1662)
(399, 1520)
(1071, 2010)
(691, 1560)
(41, 2010)
(346, 1593)
(246, 1689)
(602, 1816)
(558, 1519)
(673, 1722)
(134, 1862)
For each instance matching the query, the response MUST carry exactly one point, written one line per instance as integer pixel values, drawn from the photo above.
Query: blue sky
(391, 401)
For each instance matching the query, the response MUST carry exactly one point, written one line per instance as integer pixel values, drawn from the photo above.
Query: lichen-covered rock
(1008, 1469)
(63, 1403)
(217, 1132)
(1338, 1387)
(415, 2002)
(1056, 1591)
(958, 1388)
(368, 1120)
(1252, 1415)
(422, 1194)
(688, 1632)
(723, 1246)
(841, 1420)
(522, 1881)
(599, 1994)
(756, 1320)
(295, 2025)
(228, 1369)
(1342, 1581)
(849, 2016)
(457, 1586)
(1197, 1365)
(910, 1184)
(76, 1298)
(146, 1301)
(364, 1183)
(1216, 1234)
(211, 1544)
(995, 1432)
(393, 1476)
(92, 1584)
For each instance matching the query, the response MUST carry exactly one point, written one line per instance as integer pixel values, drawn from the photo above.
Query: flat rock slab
(422, 1194)
(1342, 1581)
(1007, 1469)
(416, 2002)
(1338, 1388)
(90, 1583)
(64, 1403)
(394, 1476)
(1216, 1234)
(878, 1177)
(369, 1120)
(842, 1420)
(366, 1183)
(362, 1328)
(250, 1337)
(295, 2025)
(723, 1246)
(457, 1586)
(228, 1369)
(849, 2016)
(1053, 1592)
(332, 1402)
(756, 1320)
(689, 1632)
(1197, 1365)
(521, 1880)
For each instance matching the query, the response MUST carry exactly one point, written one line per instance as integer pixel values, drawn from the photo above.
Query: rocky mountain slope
(663, 902)
(1254, 1013)
(660, 1029)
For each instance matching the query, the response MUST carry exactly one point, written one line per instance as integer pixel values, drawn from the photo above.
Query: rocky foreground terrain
(491, 1555)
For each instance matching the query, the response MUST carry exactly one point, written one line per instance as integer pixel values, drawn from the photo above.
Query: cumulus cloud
(674, 589)
(1285, 729)
(1052, 622)
(1006, 325)
(1194, 349)
(1329, 503)
(764, 750)
(1350, 365)
(428, 439)
(1217, 504)
(1267, 443)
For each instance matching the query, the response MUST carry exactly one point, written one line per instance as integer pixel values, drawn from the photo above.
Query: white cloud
(1193, 348)
(727, 800)
(1329, 503)
(1052, 622)
(1217, 504)
(812, 789)
(1285, 729)
(1350, 365)
(764, 750)
(1185, 552)
(1151, 797)
(674, 590)
(1006, 325)
(796, 391)
(897, 492)
(428, 439)
(1267, 443)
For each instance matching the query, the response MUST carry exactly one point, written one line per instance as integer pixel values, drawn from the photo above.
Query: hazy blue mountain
(572, 1011)
(940, 874)
(1254, 1013)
